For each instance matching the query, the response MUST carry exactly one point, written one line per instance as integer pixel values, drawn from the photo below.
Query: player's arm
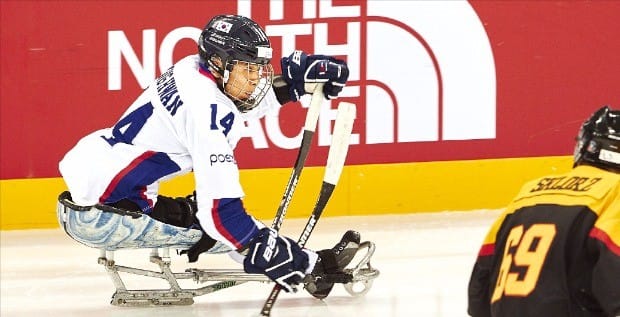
(301, 72)
(204, 128)
(478, 291)
(221, 213)
(605, 237)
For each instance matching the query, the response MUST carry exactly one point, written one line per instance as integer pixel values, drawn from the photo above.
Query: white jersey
(182, 122)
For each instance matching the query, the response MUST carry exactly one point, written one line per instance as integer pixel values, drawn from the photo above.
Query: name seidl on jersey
(574, 183)
(584, 185)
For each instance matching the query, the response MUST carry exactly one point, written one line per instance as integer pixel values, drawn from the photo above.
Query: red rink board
(555, 63)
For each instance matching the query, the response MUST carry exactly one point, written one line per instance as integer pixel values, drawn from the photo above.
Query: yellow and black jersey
(555, 251)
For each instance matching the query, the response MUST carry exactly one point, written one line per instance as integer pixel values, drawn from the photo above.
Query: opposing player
(555, 251)
(190, 119)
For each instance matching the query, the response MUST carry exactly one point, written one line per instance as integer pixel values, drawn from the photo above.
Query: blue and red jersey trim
(131, 182)
(232, 221)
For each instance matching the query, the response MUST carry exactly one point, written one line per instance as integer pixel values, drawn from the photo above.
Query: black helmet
(234, 38)
(598, 142)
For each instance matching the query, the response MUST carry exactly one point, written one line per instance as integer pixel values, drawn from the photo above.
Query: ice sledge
(111, 229)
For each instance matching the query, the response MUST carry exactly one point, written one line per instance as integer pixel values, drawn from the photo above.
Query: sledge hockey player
(555, 251)
(190, 119)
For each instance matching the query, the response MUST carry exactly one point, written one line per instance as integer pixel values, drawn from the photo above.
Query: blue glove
(302, 72)
(278, 257)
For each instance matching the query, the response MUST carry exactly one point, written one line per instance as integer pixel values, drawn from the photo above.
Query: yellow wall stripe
(362, 190)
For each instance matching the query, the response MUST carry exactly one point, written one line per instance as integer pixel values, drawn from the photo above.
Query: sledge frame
(209, 280)
(218, 279)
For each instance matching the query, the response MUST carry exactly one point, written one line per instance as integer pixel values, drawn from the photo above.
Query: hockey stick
(335, 163)
(312, 116)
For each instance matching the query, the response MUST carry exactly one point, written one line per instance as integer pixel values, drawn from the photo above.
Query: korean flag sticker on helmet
(222, 26)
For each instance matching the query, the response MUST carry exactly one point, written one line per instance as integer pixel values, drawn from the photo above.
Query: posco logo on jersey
(222, 158)
(431, 79)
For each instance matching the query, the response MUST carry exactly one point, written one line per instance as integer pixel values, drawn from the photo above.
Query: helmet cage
(255, 84)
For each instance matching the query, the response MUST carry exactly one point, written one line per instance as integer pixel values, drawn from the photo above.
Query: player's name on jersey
(168, 92)
(574, 183)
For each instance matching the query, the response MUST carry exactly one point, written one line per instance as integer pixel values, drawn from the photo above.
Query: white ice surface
(425, 262)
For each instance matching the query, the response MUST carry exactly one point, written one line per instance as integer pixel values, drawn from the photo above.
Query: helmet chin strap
(223, 72)
(226, 76)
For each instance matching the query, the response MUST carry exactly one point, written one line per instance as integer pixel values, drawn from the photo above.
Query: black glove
(203, 245)
(278, 257)
(302, 72)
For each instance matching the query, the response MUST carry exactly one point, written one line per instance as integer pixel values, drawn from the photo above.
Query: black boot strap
(328, 261)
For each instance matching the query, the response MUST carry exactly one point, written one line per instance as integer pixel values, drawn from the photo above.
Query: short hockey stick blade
(335, 163)
(312, 116)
